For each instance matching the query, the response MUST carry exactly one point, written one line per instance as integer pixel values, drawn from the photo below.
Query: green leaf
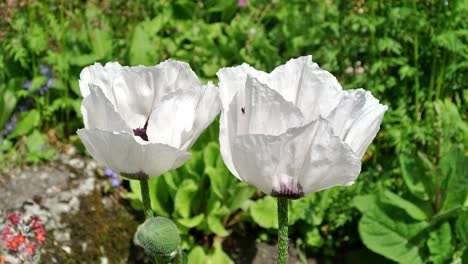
(37, 82)
(411, 209)
(7, 105)
(461, 227)
(416, 173)
(184, 197)
(210, 154)
(241, 194)
(161, 201)
(440, 244)
(264, 212)
(27, 122)
(313, 238)
(365, 202)
(392, 234)
(197, 256)
(218, 255)
(191, 222)
(453, 166)
(215, 225)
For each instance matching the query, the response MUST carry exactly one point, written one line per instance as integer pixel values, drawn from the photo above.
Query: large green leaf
(411, 209)
(440, 244)
(461, 227)
(454, 167)
(184, 198)
(392, 234)
(416, 173)
(264, 212)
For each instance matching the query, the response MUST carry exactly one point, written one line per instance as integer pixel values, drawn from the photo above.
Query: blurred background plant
(410, 203)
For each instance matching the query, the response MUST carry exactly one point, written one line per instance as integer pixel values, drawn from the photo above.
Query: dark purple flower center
(141, 132)
(291, 191)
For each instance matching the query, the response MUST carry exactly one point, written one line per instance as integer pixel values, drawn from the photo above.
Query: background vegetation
(410, 202)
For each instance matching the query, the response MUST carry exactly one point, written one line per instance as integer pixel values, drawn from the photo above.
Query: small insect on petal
(243, 110)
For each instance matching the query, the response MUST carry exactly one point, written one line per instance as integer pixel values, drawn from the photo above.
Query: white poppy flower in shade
(140, 121)
(294, 131)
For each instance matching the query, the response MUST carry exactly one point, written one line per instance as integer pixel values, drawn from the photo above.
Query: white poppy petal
(227, 132)
(98, 112)
(122, 153)
(287, 78)
(101, 76)
(134, 97)
(357, 118)
(232, 79)
(318, 93)
(172, 120)
(207, 109)
(329, 162)
(264, 111)
(302, 160)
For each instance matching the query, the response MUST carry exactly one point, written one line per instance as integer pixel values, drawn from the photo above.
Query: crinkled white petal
(232, 79)
(172, 120)
(261, 110)
(207, 109)
(99, 113)
(227, 131)
(122, 153)
(357, 118)
(304, 159)
(330, 162)
(101, 76)
(136, 91)
(314, 91)
(287, 78)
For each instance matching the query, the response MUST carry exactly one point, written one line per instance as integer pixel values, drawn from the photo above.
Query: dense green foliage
(410, 202)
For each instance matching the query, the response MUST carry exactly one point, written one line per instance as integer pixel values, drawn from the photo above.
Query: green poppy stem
(282, 230)
(145, 195)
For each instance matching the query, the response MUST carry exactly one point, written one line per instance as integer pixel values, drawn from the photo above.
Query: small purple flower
(46, 70)
(242, 3)
(50, 82)
(10, 126)
(115, 178)
(43, 90)
(27, 85)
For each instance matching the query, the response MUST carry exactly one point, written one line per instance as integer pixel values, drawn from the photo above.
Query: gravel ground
(72, 198)
(54, 191)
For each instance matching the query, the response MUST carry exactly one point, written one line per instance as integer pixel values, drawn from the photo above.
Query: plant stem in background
(416, 65)
(145, 195)
(282, 230)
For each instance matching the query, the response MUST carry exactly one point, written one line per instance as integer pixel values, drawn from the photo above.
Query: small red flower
(40, 235)
(5, 233)
(11, 244)
(14, 218)
(35, 219)
(29, 249)
(20, 239)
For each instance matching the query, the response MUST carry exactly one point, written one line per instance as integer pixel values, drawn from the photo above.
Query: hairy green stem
(282, 230)
(145, 195)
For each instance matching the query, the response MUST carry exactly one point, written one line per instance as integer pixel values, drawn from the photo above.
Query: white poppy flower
(140, 121)
(294, 130)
